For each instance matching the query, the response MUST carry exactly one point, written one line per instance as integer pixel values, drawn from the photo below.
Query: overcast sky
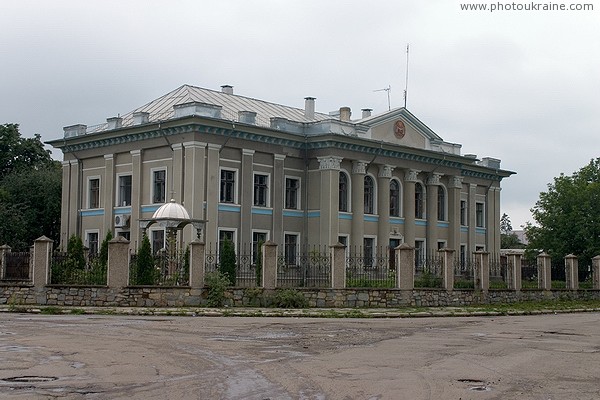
(521, 86)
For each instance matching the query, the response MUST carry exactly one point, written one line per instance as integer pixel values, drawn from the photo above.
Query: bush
(429, 280)
(227, 261)
(216, 283)
(145, 273)
(289, 298)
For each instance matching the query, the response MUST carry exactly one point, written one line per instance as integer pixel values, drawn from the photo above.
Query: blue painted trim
(292, 213)
(146, 209)
(262, 211)
(228, 208)
(443, 224)
(420, 222)
(397, 221)
(344, 215)
(371, 218)
(122, 210)
(480, 231)
(92, 213)
(464, 229)
(314, 214)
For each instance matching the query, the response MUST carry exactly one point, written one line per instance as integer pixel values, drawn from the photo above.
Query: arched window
(343, 196)
(419, 201)
(394, 198)
(369, 195)
(441, 203)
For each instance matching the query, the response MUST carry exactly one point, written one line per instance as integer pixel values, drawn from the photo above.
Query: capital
(434, 178)
(359, 167)
(329, 162)
(456, 182)
(411, 175)
(385, 171)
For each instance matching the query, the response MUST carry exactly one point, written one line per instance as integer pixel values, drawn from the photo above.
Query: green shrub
(227, 261)
(289, 298)
(216, 284)
(258, 265)
(429, 280)
(464, 284)
(145, 273)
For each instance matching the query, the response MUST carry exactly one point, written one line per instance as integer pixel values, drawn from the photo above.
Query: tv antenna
(388, 90)
(406, 80)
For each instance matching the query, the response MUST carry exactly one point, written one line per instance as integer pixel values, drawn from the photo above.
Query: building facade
(258, 171)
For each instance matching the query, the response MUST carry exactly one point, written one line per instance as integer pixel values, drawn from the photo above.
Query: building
(259, 171)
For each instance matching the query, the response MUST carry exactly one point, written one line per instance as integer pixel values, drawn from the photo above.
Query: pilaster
(212, 193)
(359, 169)
(383, 204)
(410, 179)
(108, 187)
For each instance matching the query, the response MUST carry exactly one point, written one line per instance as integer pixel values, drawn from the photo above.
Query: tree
(145, 272)
(227, 261)
(505, 225)
(508, 239)
(18, 153)
(568, 216)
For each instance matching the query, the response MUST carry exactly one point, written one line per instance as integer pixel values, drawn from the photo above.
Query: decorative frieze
(329, 162)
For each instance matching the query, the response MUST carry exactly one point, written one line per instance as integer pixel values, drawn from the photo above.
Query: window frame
(97, 190)
(296, 196)
(255, 243)
(92, 249)
(343, 196)
(231, 186)
(120, 187)
(287, 257)
(370, 197)
(154, 241)
(420, 201)
(441, 203)
(396, 206)
(154, 193)
(464, 212)
(480, 214)
(261, 190)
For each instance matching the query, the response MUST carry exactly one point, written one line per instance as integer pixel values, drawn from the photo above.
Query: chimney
(75, 130)
(309, 107)
(247, 117)
(227, 89)
(366, 112)
(140, 118)
(345, 114)
(114, 122)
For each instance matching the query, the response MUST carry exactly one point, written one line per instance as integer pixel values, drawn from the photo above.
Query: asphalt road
(114, 357)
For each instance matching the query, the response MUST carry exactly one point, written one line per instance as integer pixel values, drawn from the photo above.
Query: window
(261, 190)
(343, 197)
(226, 235)
(92, 242)
(368, 252)
(94, 193)
(258, 238)
(463, 255)
(292, 186)
(419, 253)
(124, 198)
(419, 201)
(157, 240)
(441, 203)
(392, 252)
(441, 244)
(463, 213)
(369, 195)
(290, 249)
(343, 240)
(227, 186)
(394, 198)
(159, 186)
(124, 234)
(479, 215)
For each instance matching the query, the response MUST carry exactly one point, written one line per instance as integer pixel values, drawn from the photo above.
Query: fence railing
(370, 268)
(17, 266)
(245, 265)
(160, 269)
(464, 272)
(429, 269)
(308, 267)
(499, 278)
(66, 270)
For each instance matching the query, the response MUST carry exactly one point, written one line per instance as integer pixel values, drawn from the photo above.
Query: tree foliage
(568, 216)
(145, 272)
(227, 261)
(508, 239)
(30, 190)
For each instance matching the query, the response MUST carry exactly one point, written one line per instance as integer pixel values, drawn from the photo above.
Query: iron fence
(499, 277)
(309, 267)
(429, 269)
(464, 272)
(161, 269)
(69, 270)
(529, 276)
(17, 266)
(370, 267)
(247, 266)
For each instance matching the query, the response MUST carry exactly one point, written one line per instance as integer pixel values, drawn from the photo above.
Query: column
(410, 178)
(76, 195)
(66, 206)
(278, 196)
(448, 268)
(212, 194)
(514, 271)
(405, 267)
(269, 264)
(176, 190)
(432, 211)
(246, 196)
(329, 170)
(108, 187)
(571, 272)
(137, 188)
(117, 273)
(359, 169)
(492, 209)
(596, 272)
(482, 270)
(472, 222)
(42, 251)
(338, 266)
(197, 250)
(544, 272)
(383, 205)
(454, 189)
(194, 184)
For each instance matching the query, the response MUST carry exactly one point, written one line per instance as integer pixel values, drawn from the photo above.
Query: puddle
(30, 379)
(478, 385)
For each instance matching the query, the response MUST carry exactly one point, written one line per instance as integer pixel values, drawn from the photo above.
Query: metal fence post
(596, 272)
(571, 272)
(482, 270)
(197, 259)
(42, 253)
(448, 268)
(405, 265)
(514, 271)
(544, 272)
(269, 264)
(117, 274)
(338, 266)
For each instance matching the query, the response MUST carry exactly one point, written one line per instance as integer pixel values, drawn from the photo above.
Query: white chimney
(247, 117)
(140, 118)
(309, 107)
(366, 112)
(345, 114)
(75, 130)
(114, 122)
(227, 89)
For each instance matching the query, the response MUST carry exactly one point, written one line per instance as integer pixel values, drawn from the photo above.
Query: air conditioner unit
(122, 220)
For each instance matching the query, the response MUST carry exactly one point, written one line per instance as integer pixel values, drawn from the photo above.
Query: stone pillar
(246, 196)
(596, 272)
(213, 187)
(410, 178)
(572, 272)
(117, 273)
(544, 271)
(383, 205)
(329, 169)
(194, 184)
(448, 268)
(137, 188)
(482, 270)
(514, 271)
(269, 264)
(405, 267)
(454, 189)
(197, 259)
(108, 187)
(278, 196)
(338, 266)
(433, 182)
(42, 253)
(4, 249)
(359, 169)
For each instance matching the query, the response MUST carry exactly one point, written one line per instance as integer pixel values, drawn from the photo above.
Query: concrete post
(338, 266)
(448, 268)
(544, 272)
(482, 270)
(3, 250)
(514, 271)
(197, 254)
(571, 272)
(269, 264)
(596, 272)
(42, 251)
(405, 267)
(117, 273)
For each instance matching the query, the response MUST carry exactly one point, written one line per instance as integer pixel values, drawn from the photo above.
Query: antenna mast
(388, 90)
(406, 81)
